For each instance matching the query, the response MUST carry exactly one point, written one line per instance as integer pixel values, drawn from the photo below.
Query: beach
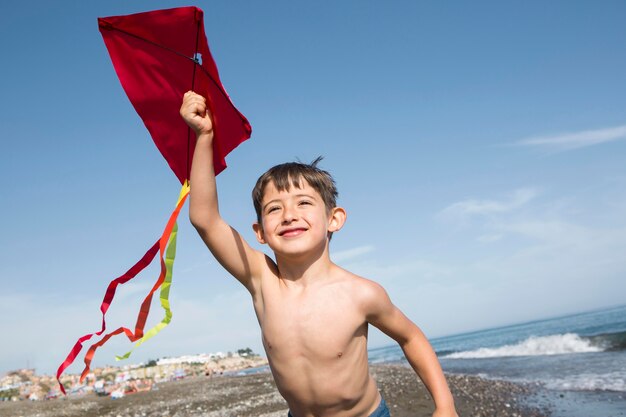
(256, 395)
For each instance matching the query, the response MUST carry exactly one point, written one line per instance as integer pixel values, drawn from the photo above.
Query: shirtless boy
(313, 314)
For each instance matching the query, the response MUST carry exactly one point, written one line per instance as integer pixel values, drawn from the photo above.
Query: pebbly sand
(256, 395)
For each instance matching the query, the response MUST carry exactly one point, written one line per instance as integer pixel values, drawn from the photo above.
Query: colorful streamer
(168, 239)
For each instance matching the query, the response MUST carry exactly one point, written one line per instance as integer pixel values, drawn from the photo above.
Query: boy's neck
(305, 269)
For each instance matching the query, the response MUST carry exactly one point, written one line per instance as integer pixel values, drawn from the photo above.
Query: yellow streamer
(170, 255)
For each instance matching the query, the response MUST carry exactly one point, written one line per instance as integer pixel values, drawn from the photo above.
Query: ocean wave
(614, 381)
(609, 341)
(535, 346)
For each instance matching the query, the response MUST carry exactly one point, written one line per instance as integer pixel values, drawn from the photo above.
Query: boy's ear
(258, 231)
(337, 219)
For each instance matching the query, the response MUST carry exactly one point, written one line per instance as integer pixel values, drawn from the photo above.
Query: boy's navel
(340, 354)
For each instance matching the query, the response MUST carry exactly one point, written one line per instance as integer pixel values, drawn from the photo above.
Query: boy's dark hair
(283, 176)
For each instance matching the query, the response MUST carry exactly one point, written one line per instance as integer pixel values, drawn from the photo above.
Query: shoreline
(256, 395)
(473, 396)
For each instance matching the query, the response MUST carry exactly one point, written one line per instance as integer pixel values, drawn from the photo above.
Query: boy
(313, 314)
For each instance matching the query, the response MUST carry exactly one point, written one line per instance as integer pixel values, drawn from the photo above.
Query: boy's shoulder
(365, 292)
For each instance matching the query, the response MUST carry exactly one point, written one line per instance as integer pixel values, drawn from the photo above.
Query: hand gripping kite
(158, 56)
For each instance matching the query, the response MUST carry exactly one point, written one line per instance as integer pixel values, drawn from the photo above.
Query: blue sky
(479, 151)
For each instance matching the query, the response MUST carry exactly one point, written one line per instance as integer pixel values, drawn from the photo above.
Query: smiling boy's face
(296, 221)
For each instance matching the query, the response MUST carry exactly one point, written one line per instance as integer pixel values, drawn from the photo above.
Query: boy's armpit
(232, 251)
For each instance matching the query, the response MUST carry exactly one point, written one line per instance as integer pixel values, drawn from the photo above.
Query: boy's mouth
(295, 231)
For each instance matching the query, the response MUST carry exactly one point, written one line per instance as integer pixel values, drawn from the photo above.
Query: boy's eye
(303, 202)
(271, 209)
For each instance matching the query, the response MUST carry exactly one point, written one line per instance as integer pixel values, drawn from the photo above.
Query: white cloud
(474, 207)
(130, 290)
(345, 255)
(415, 270)
(44, 327)
(489, 238)
(550, 259)
(548, 231)
(552, 268)
(548, 264)
(574, 140)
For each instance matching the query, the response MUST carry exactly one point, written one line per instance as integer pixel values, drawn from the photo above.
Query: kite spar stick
(171, 250)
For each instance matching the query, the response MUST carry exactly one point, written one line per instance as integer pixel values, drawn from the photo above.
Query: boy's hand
(196, 114)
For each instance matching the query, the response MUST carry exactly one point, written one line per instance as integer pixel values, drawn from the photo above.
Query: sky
(479, 149)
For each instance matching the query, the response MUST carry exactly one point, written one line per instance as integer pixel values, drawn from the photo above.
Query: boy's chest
(320, 325)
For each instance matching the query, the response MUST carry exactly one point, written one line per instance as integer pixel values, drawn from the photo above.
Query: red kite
(158, 56)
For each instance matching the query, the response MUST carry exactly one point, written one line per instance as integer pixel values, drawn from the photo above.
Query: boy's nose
(289, 215)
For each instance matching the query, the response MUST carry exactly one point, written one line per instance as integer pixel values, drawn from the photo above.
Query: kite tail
(164, 296)
(106, 302)
(168, 238)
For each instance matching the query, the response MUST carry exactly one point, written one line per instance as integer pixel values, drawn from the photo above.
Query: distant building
(201, 358)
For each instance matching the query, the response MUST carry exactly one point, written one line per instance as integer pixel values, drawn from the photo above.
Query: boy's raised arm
(228, 247)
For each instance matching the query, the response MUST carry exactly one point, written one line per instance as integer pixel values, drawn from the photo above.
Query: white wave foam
(533, 346)
(614, 381)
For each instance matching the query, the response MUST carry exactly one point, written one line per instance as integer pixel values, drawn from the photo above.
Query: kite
(158, 56)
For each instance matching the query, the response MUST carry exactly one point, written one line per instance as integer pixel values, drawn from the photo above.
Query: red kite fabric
(158, 56)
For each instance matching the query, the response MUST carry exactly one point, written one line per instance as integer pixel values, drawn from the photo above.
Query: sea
(577, 362)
